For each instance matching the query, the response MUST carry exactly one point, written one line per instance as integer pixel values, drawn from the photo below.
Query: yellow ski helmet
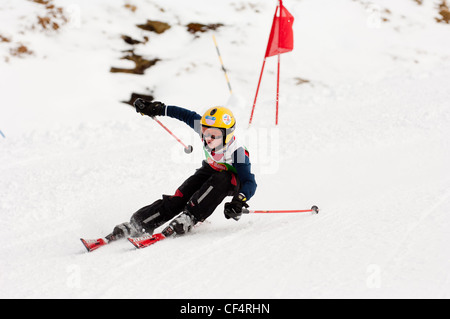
(222, 118)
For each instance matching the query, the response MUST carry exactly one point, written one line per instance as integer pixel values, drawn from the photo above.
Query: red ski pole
(313, 209)
(187, 149)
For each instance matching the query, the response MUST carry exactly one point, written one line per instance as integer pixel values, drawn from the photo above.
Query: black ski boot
(180, 225)
(123, 230)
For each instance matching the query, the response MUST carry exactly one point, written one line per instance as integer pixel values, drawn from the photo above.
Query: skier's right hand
(234, 208)
(149, 108)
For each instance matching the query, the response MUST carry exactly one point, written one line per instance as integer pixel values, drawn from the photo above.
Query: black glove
(234, 208)
(149, 108)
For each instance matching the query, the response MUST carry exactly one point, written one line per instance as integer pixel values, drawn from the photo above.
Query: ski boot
(124, 230)
(180, 225)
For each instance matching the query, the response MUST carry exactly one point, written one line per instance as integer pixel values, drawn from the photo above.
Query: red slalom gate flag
(281, 40)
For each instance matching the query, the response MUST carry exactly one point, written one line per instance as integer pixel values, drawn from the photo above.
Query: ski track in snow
(366, 141)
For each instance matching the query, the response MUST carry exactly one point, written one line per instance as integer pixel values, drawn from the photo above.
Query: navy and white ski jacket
(235, 157)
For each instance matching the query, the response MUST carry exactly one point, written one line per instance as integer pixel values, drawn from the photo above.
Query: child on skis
(226, 171)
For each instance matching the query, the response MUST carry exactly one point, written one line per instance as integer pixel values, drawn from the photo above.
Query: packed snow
(363, 134)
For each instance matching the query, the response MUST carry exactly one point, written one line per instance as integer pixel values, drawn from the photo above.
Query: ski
(145, 241)
(148, 240)
(93, 244)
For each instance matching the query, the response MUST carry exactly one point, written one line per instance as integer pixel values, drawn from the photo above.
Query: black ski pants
(200, 194)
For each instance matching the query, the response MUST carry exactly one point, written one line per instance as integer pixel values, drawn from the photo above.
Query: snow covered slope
(363, 134)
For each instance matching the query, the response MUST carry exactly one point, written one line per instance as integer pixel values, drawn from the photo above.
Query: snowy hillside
(363, 134)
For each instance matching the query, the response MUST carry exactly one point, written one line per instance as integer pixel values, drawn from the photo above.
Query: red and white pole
(187, 149)
(313, 209)
(257, 90)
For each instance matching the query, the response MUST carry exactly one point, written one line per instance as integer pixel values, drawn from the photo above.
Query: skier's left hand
(234, 208)
(149, 108)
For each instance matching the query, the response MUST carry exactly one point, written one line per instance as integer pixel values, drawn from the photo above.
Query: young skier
(226, 171)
